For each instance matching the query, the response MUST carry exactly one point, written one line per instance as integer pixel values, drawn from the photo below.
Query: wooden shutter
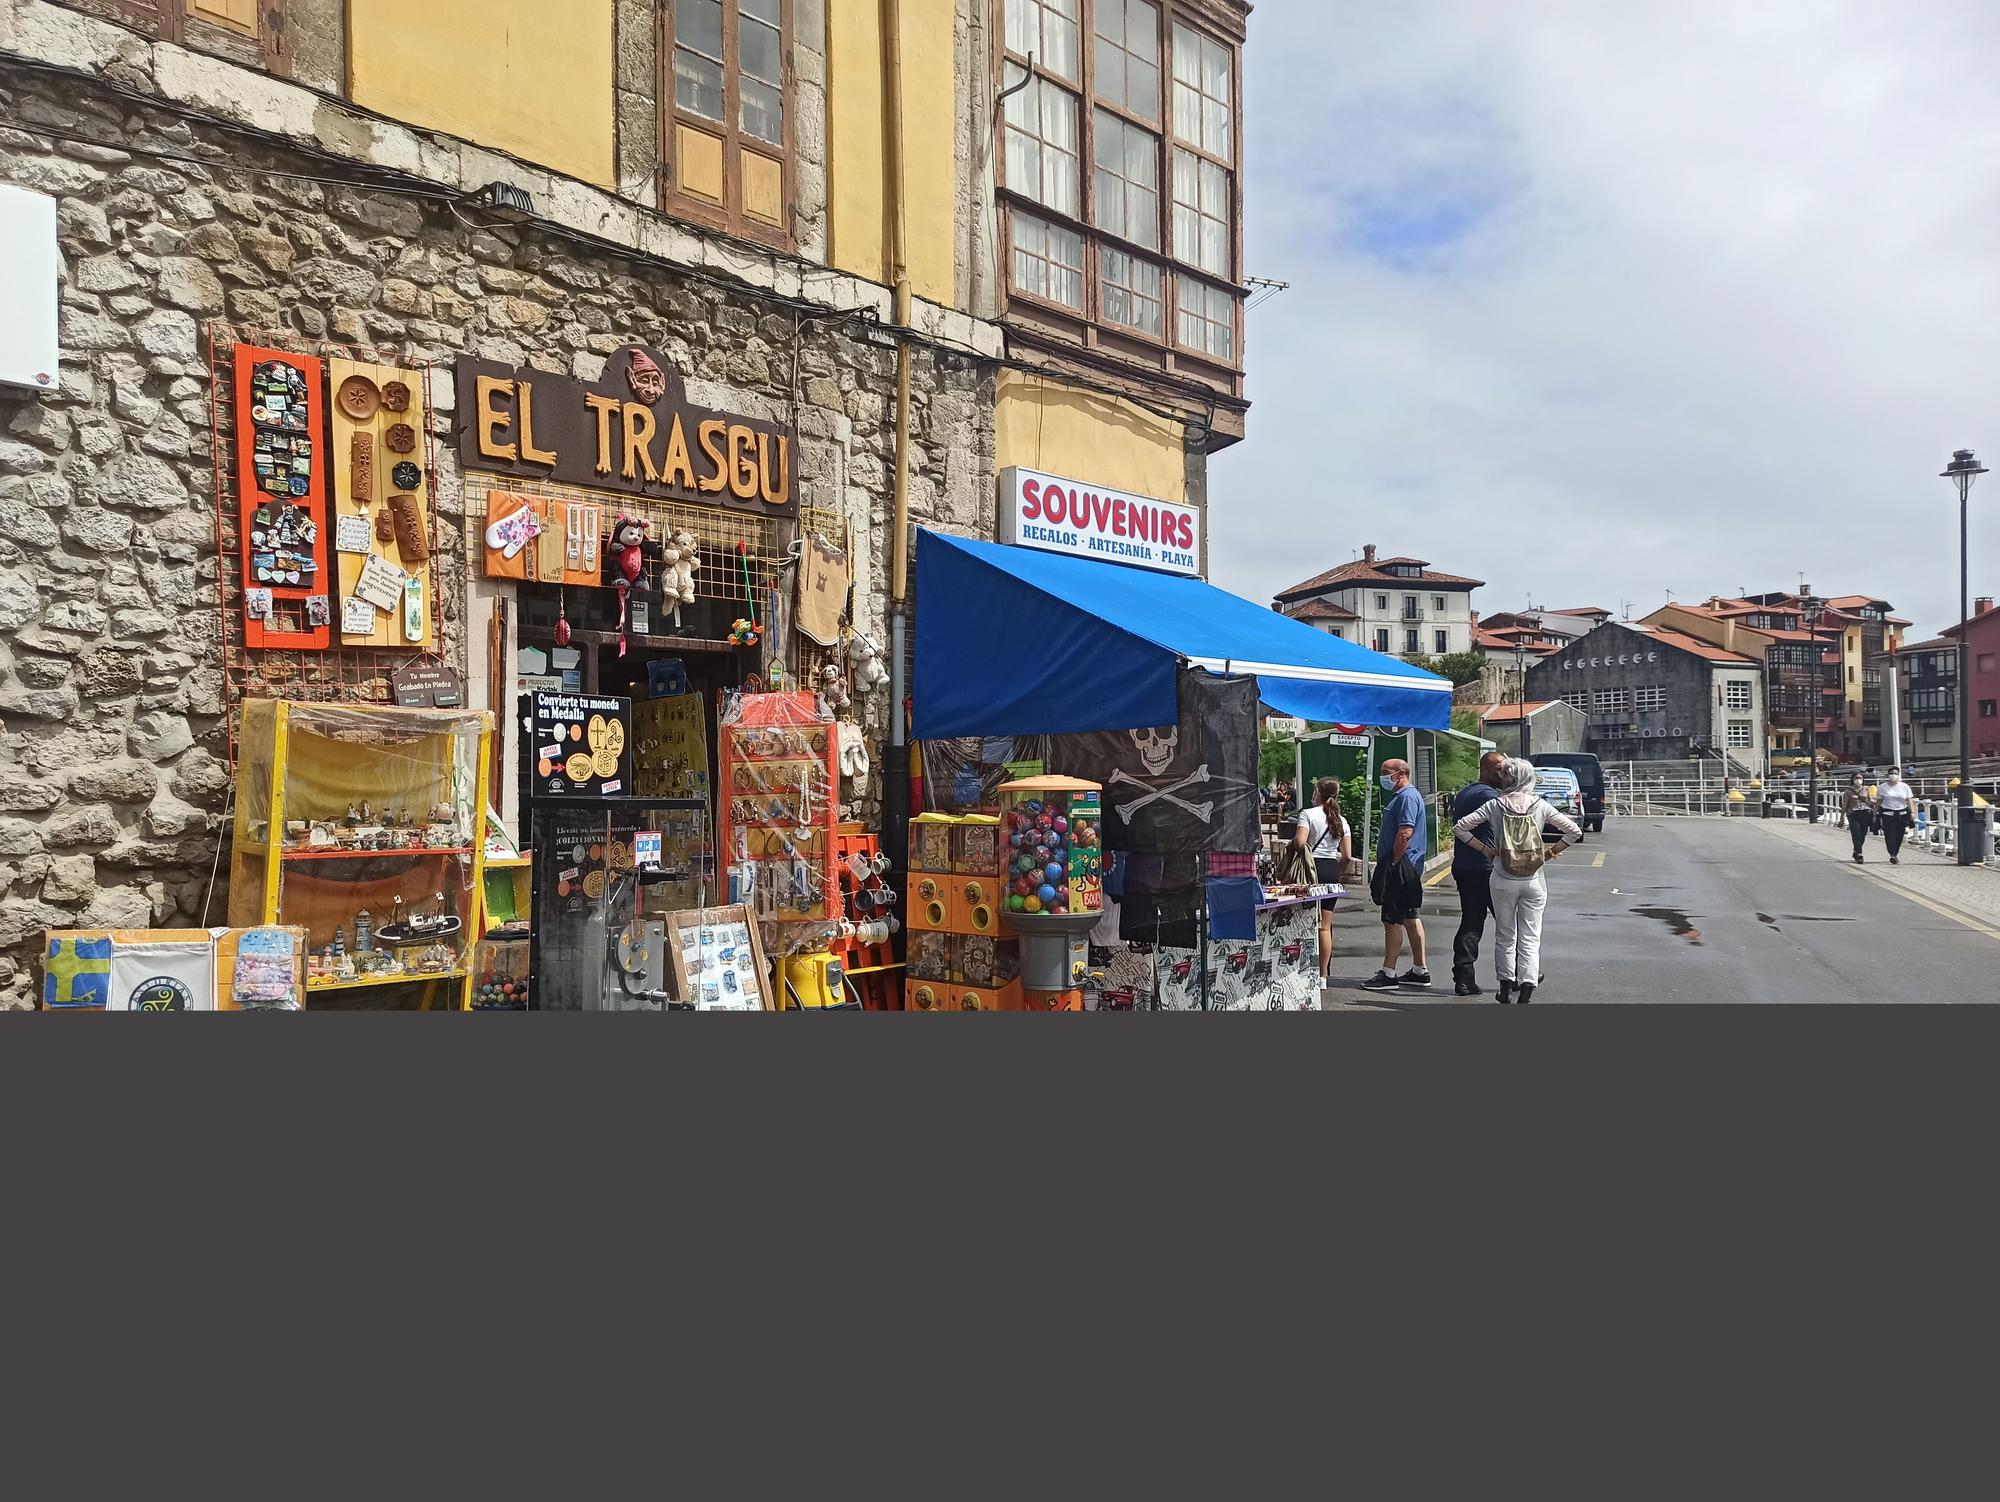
(238, 15)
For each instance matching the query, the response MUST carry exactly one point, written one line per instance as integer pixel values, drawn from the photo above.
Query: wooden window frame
(1012, 69)
(169, 21)
(728, 216)
(1161, 301)
(1082, 168)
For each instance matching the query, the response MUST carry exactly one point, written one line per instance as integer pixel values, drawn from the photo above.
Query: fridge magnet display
(317, 613)
(280, 425)
(257, 604)
(718, 959)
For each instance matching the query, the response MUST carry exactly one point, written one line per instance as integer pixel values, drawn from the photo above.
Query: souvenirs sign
(633, 431)
(1091, 521)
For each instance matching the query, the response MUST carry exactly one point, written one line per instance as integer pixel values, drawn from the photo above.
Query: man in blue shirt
(1398, 883)
(1472, 874)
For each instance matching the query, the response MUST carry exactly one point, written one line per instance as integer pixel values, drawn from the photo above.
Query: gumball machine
(1050, 841)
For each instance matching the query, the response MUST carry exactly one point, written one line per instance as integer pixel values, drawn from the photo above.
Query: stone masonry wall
(113, 772)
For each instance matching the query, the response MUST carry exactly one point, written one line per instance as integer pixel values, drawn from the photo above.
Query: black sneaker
(1506, 993)
(1525, 995)
(1381, 980)
(1415, 978)
(1466, 988)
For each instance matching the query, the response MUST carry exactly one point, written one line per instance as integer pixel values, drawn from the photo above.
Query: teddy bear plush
(682, 557)
(868, 672)
(833, 688)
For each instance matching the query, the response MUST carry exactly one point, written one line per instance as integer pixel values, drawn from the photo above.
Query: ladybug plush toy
(629, 548)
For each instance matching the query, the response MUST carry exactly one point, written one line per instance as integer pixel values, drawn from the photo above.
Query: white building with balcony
(1401, 606)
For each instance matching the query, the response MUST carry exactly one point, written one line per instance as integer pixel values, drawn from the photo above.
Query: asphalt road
(1720, 910)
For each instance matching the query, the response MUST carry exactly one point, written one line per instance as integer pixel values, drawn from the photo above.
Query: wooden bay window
(1141, 251)
(245, 31)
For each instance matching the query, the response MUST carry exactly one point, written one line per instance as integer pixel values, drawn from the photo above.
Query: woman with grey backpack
(1508, 829)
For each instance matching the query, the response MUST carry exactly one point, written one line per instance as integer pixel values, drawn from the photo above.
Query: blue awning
(1011, 641)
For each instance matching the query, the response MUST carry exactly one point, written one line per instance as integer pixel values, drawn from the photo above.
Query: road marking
(1937, 907)
(1598, 861)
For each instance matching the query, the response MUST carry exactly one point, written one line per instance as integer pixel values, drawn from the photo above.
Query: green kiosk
(1350, 751)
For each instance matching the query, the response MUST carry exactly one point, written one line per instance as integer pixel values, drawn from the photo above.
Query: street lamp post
(1962, 471)
(1534, 619)
(1809, 612)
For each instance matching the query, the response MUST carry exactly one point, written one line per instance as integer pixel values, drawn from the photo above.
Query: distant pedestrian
(1859, 811)
(1472, 874)
(1397, 884)
(1895, 801)
(1508, 831)
(1323, 834)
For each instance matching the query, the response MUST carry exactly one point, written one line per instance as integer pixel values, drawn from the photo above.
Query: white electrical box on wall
(29, 272)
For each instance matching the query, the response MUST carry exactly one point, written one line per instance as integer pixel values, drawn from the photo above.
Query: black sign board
(632, 431)
(427, 685)
(579, 745)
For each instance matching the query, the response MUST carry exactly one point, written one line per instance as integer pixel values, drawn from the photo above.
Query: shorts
(1328, 869)
(1398, 890)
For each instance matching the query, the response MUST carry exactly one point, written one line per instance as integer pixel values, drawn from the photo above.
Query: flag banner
(1176, 789)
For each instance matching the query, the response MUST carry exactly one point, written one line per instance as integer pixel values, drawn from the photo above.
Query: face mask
(1388, 783)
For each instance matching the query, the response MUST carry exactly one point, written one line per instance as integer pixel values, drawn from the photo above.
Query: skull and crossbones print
(1157, 747)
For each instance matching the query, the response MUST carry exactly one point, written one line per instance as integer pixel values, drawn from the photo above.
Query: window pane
(1041, 146)
(1187, 55)
(1024, 163)
(763, 111)
(698, 24)
(1187, 113)
(1110, 72)
(1142, 157)
(1214, 70)
(1142, 30)
(697, 84)
(1059, 37)
(758, 52)
(1021, 16)
(763, 10)
(1214, 189)
(1214, 247)
(1215, 129)
(1142, 89)
(1047, 261)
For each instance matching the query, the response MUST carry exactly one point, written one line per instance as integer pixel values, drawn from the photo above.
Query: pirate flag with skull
(1177, 789)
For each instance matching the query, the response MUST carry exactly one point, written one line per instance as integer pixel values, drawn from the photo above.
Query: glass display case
(361, 824)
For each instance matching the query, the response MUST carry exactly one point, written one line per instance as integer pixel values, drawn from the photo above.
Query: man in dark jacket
(1472, 874)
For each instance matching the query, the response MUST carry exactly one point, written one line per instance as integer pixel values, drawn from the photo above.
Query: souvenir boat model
(419, 928)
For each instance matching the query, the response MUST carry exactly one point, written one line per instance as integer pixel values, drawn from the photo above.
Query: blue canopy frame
(1011, 641)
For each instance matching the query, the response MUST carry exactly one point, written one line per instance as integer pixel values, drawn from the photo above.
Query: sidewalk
(1969, 892)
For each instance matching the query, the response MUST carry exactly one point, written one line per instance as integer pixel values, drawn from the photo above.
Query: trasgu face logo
(162, 993)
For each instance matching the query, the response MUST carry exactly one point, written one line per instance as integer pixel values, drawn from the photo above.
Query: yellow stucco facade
(529, 77)
(857, 164)
(1080, 434)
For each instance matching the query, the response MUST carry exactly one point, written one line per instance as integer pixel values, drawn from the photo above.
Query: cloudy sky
(1597, 301)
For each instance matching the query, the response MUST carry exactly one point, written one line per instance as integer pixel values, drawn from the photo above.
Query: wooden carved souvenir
(284, 516)
(361, 468)
(377, 412)
(409, 524)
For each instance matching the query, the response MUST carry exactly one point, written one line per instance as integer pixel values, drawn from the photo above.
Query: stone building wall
(113, 771)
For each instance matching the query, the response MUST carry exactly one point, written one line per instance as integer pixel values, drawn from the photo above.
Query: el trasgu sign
(632, 431)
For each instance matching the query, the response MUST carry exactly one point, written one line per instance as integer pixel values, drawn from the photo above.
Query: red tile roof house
(1397, 605)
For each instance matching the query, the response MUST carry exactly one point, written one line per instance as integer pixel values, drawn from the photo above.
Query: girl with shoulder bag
(1323, 834)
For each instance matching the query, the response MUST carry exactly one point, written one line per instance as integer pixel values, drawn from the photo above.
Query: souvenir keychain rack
(778, 809)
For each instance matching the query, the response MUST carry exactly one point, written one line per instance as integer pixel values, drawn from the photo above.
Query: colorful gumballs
(1017, 903)
(1062, 826)
(1032, 904)
(1052, 871)
(1046, 893)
